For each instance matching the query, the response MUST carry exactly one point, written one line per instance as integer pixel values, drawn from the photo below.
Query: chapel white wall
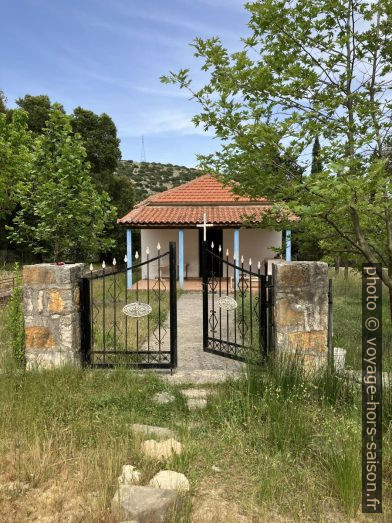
(254, 243)
(150, 238)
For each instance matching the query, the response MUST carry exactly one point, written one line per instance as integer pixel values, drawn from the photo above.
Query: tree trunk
(337, 265)
(346, 270)
(390, 291)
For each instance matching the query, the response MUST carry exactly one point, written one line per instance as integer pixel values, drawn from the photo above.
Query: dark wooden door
(216, 236)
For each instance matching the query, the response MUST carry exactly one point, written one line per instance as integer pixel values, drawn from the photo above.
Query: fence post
(173, 303)
(300, 298)
(330, 326)
(52, 314)
(85, 312)
(263, 318)
(205, 294)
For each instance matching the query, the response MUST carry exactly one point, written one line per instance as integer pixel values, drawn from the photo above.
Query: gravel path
(193, 364)
(190, 338)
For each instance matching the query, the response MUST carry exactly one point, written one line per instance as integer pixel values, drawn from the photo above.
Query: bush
(14, 321)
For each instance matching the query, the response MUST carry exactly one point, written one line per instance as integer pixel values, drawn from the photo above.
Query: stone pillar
(301, 310)
(52, 314)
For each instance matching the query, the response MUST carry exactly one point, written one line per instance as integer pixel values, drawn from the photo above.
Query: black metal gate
(134, 327)
(237, 307)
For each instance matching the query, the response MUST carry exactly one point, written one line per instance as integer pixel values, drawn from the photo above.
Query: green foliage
(308, 69)
(38, 109)
(347, 311)
(99, 135)
(14, 321)
(16, 146)
(61, 215)
(151, 177)
(317, 165)
(3, 100)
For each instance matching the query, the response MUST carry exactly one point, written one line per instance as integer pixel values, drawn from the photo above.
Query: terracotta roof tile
(187, 203)
(181, 215)
(204, 189)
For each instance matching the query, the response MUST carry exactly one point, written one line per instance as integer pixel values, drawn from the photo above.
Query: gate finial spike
(125, 258)
(148, 250)
(258, 265)
(103, 264)
(220, 248)
(114, 261)
(136, 255)
(250, 261)
(91, 267)
(242, 259)
(159, 246)
(227, 252)
(212, 245)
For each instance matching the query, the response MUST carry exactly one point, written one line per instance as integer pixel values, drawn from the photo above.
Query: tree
(61, 214)
(100, 139)
(3, 101)
(309, 68)
(38, 109)
(99, 135)
(317, 164)
(121, 192)
(15, 159)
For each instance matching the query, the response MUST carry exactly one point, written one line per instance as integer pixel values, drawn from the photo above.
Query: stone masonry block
(301, 308)
(289, 313)
(38, 275)
(69, 331)
(300, 274)
(63, 301)
(308, 341)
(39, 337)
(56, 301)
(49, 359)
(44, 274)
(52, 314)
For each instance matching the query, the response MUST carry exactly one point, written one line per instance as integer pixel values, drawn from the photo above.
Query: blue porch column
(288, 245)
(236, 254)
(129, 258)
(181, 257)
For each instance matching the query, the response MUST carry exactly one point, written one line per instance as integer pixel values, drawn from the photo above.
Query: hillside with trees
(151, 177)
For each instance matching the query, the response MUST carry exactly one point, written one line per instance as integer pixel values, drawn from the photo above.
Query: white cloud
(163, 121)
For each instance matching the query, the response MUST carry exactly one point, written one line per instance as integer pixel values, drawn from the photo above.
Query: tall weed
(14, 322)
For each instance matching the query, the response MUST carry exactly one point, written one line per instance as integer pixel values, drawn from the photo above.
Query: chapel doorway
(213, 235)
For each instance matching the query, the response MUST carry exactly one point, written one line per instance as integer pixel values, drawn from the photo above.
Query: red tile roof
(204, 189)
(181, 215)
(187, 203)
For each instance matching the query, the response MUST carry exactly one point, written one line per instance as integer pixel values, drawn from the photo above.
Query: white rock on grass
(129, 476)
(151, 430)
(163, 398)
(161, 449)
(194, 393)
(169, 479)
(196, 403)
(145, 504)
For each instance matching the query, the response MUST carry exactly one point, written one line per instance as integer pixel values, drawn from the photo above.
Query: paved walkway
(193, 364)
(190, 354)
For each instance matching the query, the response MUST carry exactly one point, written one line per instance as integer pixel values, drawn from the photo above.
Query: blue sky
(108, 55)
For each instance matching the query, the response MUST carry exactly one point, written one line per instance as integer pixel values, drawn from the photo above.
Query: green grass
(7, 270)
(348, 323)
(287, 445)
